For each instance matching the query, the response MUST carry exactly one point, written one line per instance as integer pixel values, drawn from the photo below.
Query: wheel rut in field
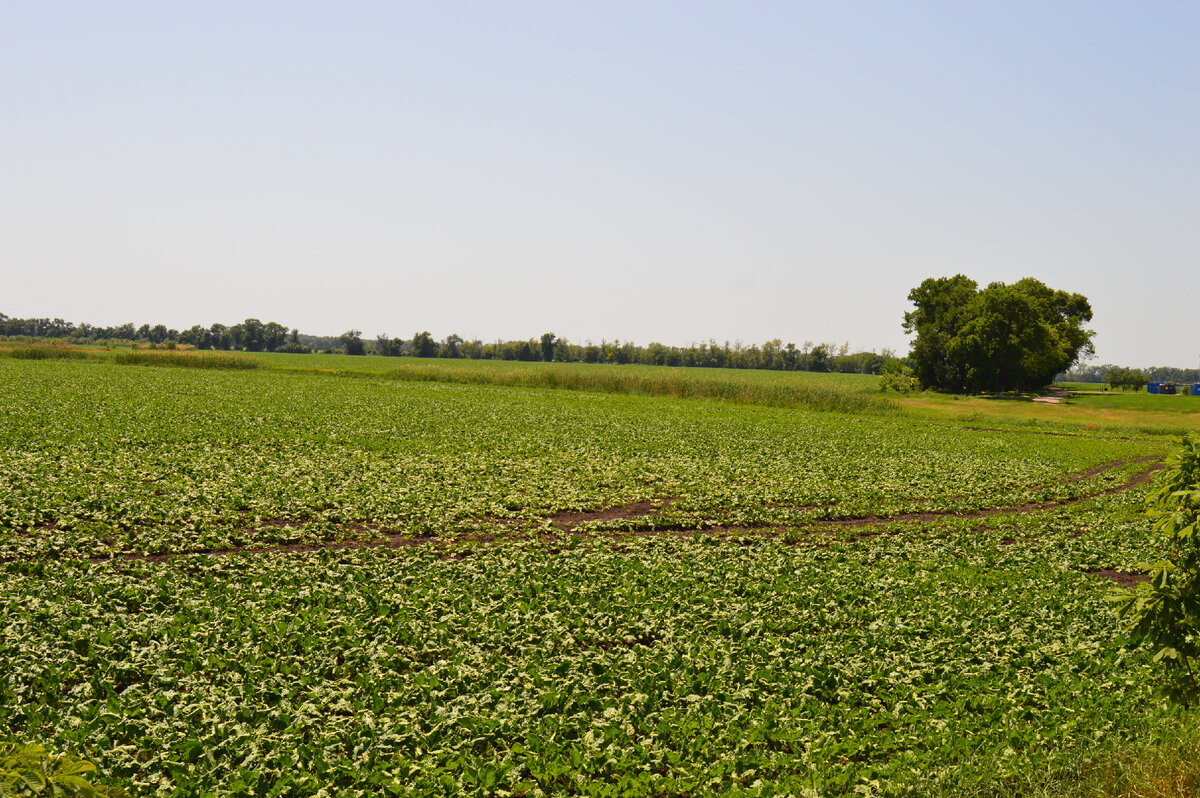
(562, 522)
(1138, 479)
(568, 521)
(834, 524)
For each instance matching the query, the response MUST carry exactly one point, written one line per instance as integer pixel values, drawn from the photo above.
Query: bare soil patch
(1122, 578)
(626, 512)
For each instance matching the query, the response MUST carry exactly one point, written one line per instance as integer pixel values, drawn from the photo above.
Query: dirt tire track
(1138, 479)
(395, 540)
(565, 522)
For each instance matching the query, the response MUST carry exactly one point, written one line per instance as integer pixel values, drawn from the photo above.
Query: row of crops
(103, 459)
(502, 654)
(655, 666)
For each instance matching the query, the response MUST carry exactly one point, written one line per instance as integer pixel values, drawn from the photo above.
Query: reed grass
(662, 381)
(181, 359)
(1164, 762)
(134, 357)
(44, 352)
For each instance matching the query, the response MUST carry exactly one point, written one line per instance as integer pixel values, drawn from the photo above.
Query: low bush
(28, 769)
(1164, 613)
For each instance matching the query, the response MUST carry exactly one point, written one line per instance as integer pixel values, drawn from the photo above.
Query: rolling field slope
(271, 581)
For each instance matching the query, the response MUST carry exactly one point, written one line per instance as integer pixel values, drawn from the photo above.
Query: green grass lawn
(1140, 401)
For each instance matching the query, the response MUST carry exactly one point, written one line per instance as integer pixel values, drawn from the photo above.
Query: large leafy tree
(940, 313)
(274, 335)
(1004, 337)
(548, 347)
(352, 342)
(1003, 342)
(1065, 315)
(424, 345)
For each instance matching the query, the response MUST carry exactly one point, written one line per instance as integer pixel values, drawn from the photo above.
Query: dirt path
(1055, 396)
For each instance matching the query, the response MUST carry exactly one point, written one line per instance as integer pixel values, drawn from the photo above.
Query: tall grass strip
(1163, 763)
(44, 353)
(671, 382)
(190, 360)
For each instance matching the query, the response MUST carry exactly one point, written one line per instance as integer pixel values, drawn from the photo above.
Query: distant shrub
(1123, 378)
(895, 376)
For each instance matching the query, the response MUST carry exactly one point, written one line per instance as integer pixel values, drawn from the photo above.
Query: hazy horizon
(648, 172)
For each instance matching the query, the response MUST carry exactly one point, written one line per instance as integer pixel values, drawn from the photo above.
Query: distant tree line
(1105, 373)
(253, 335)
(774, 354)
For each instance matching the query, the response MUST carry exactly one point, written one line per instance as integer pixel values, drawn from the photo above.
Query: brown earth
(1122, 578)
(566, 521)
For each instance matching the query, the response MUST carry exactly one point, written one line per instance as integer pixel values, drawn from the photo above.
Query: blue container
(1196, 389)
(1153, 387)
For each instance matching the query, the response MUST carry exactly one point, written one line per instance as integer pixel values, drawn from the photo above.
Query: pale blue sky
(671, 171)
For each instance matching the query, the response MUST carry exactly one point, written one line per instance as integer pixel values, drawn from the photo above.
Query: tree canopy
(1003, 337)
(1123, 378)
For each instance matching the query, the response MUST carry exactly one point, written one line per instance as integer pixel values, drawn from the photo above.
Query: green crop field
(333, 576)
